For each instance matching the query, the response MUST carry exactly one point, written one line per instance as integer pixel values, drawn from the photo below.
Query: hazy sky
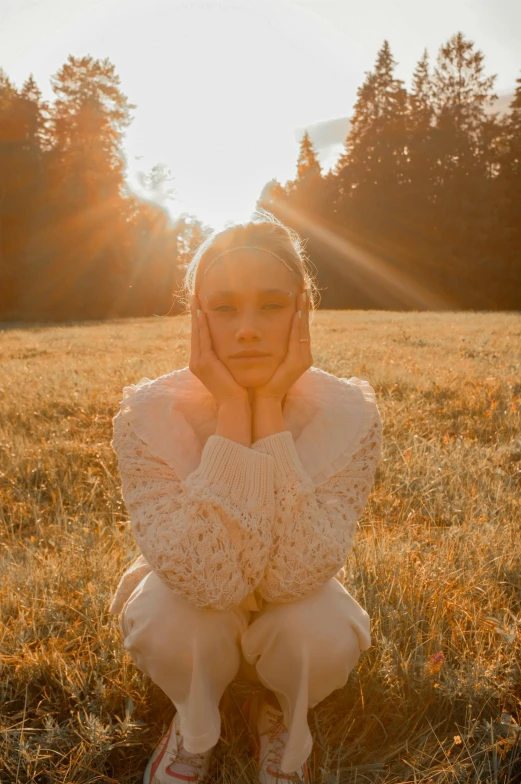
(223, 88)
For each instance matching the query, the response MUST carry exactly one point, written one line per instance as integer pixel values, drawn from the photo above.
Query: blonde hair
(263, 229)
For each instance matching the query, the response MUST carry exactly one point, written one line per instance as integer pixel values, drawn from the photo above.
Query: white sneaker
(171, 763)
(272, 737)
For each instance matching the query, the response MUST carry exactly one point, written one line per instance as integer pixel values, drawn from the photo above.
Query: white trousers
(301, 651)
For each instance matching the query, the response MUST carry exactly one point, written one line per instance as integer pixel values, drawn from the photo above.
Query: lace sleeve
(207, 536)
(314, 526)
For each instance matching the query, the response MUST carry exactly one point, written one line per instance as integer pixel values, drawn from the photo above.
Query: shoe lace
(184, 757)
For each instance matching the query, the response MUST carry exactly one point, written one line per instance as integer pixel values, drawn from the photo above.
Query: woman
(244, 475)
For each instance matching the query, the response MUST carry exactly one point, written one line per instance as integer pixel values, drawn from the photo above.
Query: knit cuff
(281, 447)
(244, 475)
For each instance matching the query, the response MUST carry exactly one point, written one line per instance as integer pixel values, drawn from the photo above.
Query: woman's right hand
(206, 365)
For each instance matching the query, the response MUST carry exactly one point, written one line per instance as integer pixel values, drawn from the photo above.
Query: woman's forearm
(234, 421)
(267, 417)
(246, 424)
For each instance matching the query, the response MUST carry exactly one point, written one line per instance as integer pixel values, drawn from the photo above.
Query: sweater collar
(328, 417)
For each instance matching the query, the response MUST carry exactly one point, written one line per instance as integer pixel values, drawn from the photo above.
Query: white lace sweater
(223, 524)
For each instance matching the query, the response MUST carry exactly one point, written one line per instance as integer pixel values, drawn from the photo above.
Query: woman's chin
(252, 378)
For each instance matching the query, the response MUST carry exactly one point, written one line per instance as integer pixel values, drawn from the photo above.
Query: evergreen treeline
(75, 243)
(422, 210)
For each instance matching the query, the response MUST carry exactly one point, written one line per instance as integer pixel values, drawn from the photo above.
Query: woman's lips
(264, 356)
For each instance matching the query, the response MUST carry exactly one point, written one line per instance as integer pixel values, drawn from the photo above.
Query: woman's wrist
(234, 420)
(267, 417)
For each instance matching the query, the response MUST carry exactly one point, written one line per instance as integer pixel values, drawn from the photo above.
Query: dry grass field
(436, 561)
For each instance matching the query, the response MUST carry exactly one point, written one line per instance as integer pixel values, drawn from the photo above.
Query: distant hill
(329, 136)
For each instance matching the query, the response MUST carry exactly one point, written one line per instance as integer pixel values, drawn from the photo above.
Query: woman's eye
(269, 305)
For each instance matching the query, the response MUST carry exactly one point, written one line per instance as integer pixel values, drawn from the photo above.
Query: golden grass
(436, 562)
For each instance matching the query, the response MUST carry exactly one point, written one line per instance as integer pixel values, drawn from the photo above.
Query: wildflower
(457, 740)
(435, 662)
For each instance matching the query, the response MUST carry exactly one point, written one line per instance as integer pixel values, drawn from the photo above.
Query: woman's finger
(205, 339)
(305, 318)
(295, 347)
(303, 331)
(293, 352)
(195, 352)
(305, 336)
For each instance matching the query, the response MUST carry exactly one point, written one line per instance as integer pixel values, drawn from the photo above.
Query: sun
(219, 127)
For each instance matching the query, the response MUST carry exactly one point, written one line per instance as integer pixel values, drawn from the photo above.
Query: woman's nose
(248, 324)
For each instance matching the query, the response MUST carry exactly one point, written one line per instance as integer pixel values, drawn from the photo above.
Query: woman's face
(249, 299)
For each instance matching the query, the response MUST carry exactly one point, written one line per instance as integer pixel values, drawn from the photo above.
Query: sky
(224, 89)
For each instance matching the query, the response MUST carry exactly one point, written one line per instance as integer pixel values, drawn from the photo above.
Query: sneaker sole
(157, 754)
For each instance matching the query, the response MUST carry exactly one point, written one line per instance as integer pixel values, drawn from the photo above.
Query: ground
(436, 560)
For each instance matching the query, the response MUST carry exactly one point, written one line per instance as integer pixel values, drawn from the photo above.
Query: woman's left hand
(298, 357)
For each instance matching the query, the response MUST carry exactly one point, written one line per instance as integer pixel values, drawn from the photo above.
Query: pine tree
(304, 192)
(507, 232)
(308, 166)
(461, 91)
(9, 141)
(86, 168)
(374, 158)
(420, 104)
(36, 114)
(461, 185)
(272, 194)
(22, 187)
(88, 118)
(420, 120)
(421, 160)
(512, 123)
(373, 165)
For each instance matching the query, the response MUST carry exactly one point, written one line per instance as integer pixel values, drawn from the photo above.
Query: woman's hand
(298, 357)
(205, 364)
